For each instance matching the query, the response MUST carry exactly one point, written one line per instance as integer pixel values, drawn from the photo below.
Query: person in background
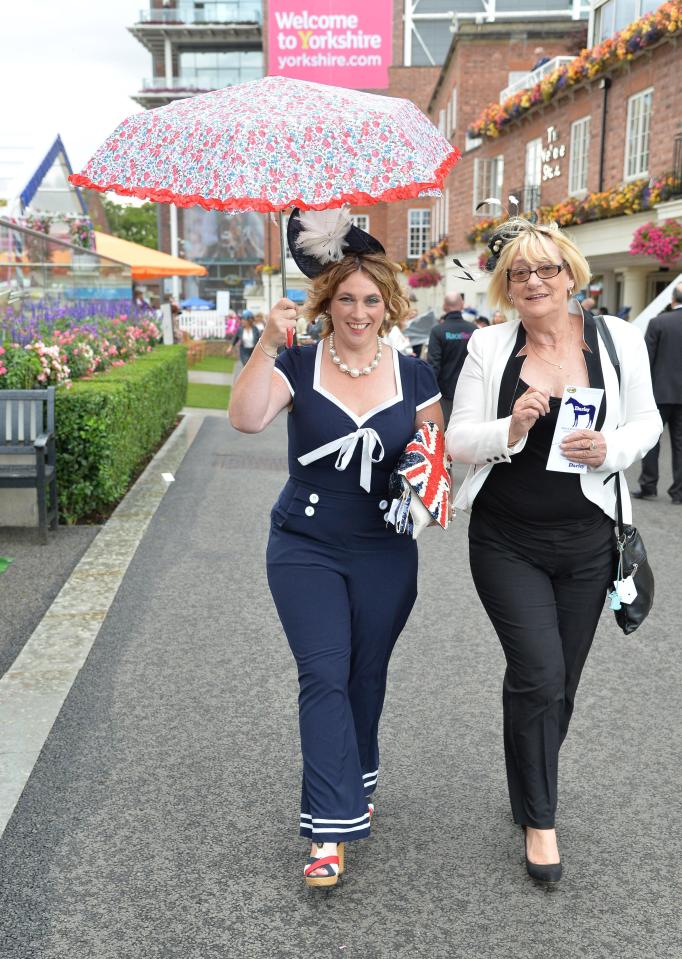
(663, 340)
(481, 322)
(397, 339)
(602, 311)
(499, 317)
(448, 349)
(588, 304)
(247, 336)
(259, 321)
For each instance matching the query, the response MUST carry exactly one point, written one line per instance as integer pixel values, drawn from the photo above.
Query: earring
(510, 298)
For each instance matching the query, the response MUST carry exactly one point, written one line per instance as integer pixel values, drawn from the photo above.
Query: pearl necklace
(354, 371)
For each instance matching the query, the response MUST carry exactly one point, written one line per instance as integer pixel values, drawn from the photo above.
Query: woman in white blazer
(542, 542)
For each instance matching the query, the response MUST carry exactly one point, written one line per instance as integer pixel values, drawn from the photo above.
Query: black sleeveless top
(525, 491)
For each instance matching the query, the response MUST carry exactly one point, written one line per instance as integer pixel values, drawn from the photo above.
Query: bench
(27, 429)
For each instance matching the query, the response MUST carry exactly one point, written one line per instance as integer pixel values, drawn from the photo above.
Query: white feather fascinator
(319, 238)
(323, 233)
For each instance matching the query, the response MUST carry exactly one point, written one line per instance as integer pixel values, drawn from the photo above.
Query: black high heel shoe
(549, 872)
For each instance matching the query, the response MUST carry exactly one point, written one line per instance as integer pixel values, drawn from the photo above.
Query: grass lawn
(215, 364)
(209, 397)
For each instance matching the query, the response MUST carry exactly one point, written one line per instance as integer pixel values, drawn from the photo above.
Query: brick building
(424, 70)
(622, 129)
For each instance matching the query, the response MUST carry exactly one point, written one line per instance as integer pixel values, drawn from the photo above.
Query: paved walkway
(159, 819)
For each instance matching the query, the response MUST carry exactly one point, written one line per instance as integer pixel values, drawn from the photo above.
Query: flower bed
(53, 344)
(664, 22)
(629, 198)
(662, 242)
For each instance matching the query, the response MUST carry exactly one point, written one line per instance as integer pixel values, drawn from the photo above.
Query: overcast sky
(68, 67)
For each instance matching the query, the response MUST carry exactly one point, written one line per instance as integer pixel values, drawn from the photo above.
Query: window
(488, 176)
(533, 175)
(471, 143)
(612, 15)
(580, 147)
(418, 232)
(637, 135)
(361, 220)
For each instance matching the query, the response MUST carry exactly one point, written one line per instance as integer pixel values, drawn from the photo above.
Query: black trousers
(544, 591)
(671, 413)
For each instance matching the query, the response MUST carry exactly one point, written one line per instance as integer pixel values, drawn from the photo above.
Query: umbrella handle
(282, 256)
(282, 253)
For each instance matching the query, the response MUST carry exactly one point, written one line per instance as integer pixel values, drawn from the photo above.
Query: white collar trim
(358, 420)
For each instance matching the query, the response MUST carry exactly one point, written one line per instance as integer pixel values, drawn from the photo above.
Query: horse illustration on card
(582, 409)
(578, 410)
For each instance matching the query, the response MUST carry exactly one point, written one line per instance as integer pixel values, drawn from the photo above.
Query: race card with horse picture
(578, 411)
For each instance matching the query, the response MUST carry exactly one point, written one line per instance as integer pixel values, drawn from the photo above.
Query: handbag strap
(619, 505)
(605, 334)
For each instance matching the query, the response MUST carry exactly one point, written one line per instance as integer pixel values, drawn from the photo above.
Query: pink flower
(2, 370)
(2, 350)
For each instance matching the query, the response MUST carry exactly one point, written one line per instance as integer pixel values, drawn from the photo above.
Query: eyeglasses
(545, 272)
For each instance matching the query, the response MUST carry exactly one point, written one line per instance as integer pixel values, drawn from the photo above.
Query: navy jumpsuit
(344, 582)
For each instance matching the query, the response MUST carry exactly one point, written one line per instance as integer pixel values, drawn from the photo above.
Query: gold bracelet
(273, 356)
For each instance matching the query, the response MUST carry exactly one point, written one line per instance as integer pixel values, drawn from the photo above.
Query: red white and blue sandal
(370, 810)
(332, 865)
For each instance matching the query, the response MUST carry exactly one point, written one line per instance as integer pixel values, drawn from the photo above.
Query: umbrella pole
(282, 253)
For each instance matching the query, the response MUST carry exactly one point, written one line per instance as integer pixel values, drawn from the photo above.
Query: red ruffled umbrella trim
(407, 192)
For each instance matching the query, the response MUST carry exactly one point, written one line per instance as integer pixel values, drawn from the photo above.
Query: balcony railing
(530, 79)
(213, 11)
(200, 82)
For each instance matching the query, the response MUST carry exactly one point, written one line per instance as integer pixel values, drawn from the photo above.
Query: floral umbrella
(271, 144)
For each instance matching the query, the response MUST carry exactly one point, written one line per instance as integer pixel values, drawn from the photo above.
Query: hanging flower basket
(662, 242)
(424, 278)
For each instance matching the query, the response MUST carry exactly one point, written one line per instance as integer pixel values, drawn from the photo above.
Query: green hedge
(107, 426)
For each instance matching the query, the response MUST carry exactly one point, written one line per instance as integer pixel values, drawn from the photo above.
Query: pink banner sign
(345, 43)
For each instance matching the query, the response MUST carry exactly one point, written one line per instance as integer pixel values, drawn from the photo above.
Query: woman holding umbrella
(353, 403)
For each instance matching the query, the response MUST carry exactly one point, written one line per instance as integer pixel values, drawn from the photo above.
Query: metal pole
(282, 253)
(175, 282)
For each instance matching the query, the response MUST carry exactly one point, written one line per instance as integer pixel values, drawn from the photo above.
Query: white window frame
(441, 122)
(452, 114)
(638, 135)
(361, 220)
(608, 7)
(532, 169)
(419, 232)
(579, 158)
(488, 181)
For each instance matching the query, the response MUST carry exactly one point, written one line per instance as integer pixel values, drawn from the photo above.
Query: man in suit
(448, 349)
(664, 343)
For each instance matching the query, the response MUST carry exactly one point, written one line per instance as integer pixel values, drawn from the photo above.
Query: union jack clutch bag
(420, 484)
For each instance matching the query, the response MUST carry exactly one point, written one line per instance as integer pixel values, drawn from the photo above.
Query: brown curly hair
(378, 268)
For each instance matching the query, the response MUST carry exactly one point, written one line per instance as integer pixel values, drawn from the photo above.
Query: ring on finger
(593, 445)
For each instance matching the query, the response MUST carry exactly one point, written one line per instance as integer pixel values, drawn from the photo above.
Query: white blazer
(631, 427)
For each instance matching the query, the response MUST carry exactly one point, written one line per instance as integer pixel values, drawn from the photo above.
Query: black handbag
(631, 558)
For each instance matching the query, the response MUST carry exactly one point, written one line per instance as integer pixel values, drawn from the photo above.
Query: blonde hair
(378, 268)
(529, 240)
